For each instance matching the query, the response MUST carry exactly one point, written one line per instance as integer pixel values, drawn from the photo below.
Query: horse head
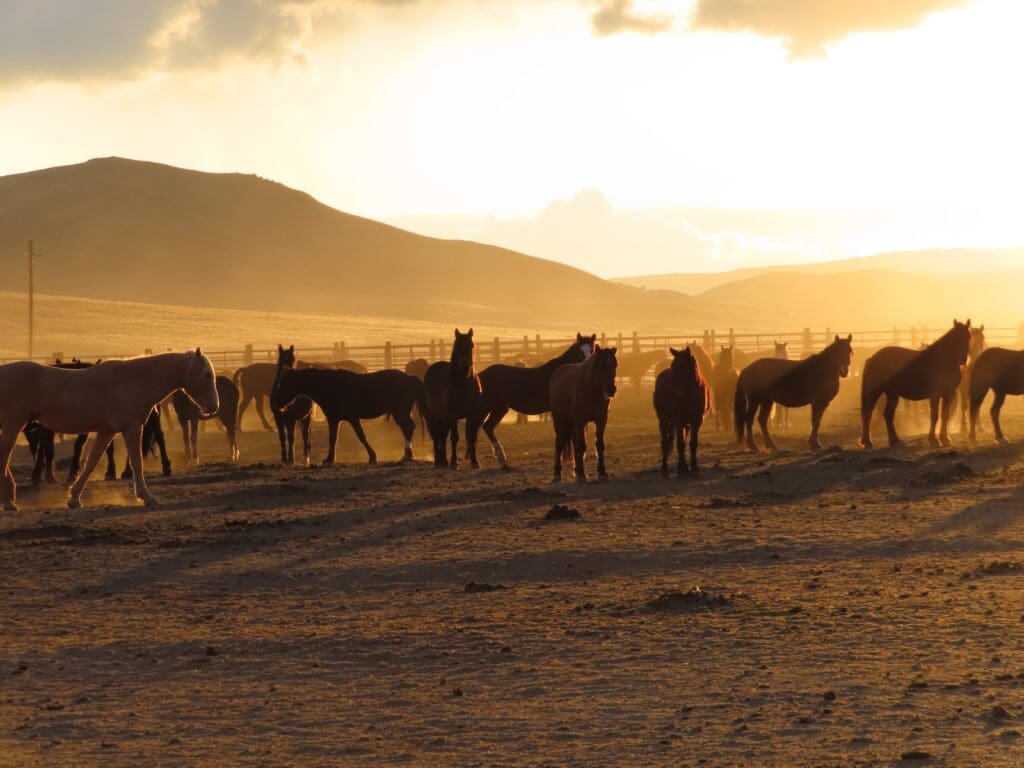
(583, 347)
(841, 353)
(958, 339)
(463, 351)
(603, 366)
(781, 351)
(200, 383)
(683, 370)
(725, 359)
(977, 341)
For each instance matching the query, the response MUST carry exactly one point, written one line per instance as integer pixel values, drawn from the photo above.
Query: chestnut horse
(681, 399)
(526, 390)
(722, 379)
(964, 391)
(931, 374)
(813, 381)
(113, 397)
(452, 392)
(189, 416)
(1002, 371)
(581, 393)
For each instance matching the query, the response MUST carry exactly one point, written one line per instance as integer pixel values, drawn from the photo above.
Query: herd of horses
(575, 388)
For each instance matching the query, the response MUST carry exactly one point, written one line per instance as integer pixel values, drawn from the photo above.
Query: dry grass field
(855, 609)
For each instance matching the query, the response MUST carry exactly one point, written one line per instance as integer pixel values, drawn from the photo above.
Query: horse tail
(237, 377)
(739, 409)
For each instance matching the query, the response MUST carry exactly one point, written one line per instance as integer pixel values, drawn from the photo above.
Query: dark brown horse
(964, 391)
(1002, 371)
(722, 379)
(813, 381)
(189, 415)
(526, 390)
(931, 374)
(288, 413)
(452, 392)
(681, 399)
(347, 396)
(581, 393)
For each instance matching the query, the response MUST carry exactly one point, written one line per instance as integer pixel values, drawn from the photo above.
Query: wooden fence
(396, 355)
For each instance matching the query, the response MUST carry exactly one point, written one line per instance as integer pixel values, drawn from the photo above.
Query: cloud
(807, 26)
(617, 16)
(104, 40)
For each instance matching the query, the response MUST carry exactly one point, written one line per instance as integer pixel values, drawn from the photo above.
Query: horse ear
(470, 333)
(982, 328)
(849, 338)
(968, 323)
(291, 348)
(457, 332)
(612, 350)
(674, 352)
(837, 337)
(199, 352)
(579, 336)
(280, 349)
(593, 338)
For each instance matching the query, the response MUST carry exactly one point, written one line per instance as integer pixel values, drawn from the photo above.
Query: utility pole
(31, 297)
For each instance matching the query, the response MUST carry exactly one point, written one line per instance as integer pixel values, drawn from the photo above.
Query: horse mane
(948, 338)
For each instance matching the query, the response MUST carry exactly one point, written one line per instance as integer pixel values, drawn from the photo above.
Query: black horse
(682, 399)
(526, 390)
(452, 392)
(189, 416)
(288, 413)
(346, 396)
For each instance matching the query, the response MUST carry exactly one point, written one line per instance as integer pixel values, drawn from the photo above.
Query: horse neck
(163, 374)
(941, 346)
(563, 359)
(591, 384)
(457, 372)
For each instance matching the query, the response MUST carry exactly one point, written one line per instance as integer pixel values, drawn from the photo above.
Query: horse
(812, 381)
(116, 396)
(526, 390)
(781, 412)
(581, 393)
(1002, 371)
(348, 365)
(346, 396)
(635, 365)
(931, 374)
(964, 390)
(288, 413)
(681, 399)
(418, 368)
(451, 392)
(189, 416)
(254, 382)
(722, 379)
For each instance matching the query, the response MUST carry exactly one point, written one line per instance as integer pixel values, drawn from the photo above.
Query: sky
(622, 136)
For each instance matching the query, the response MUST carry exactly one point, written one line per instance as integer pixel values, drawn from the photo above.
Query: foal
(581, 393)
(681, 399)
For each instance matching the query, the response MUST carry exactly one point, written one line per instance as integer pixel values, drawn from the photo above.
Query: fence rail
(396, 355)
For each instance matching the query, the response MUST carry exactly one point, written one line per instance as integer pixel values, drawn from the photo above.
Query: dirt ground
(856, 608)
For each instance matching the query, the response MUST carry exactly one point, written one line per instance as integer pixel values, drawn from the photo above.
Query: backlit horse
(581, 393)
(1002, 371)
(452, 392)
(681, 399)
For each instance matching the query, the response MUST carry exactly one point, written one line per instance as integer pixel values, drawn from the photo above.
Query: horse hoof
(74, 503)
(582, 479)
(556, 479)
(407, 457)
(150, 503)
(167, 472)
(10, 506)
(867, 445)
(474, 464)
(372, 462)
(1002, 441)
(507, 468)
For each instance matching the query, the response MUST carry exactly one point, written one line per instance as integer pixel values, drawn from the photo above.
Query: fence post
(497, 349)
(387, 355)
(636, 342)
(707, 341)
(732, 338)
(711, 342)
(604, 339)
(808, 341)
(526, 344)
(247, 355)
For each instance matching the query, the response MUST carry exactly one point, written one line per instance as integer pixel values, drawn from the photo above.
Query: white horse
(112, 397)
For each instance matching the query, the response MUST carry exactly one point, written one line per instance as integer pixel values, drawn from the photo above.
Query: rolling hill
(137, 231)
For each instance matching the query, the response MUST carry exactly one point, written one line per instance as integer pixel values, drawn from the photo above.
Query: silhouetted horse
(931, 374)
(152, 438)
(635, 365)
(347, 365)
(1002, 371)
(964, 391)
(526, 390)
(288, 413)
(681, 399)
(581, 393)
(189, 415)
(723, 388)
(813, 381)
(781, 412)
(347, 396)
(452, 392)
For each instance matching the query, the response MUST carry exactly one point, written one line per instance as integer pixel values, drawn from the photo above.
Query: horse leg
(306, 422)
(694, 433)
(133, 444)
(437, 437)
(408, 427)
(111, 464)
(454, 432)
(579, 450)
(817, 411)
(183, 423)
(246, 399)
(194, 440)
(100, 444)
(76, 458)
(561, 435)
(371, 454)
(997, 406)
(681, 467)
(259, 410)
(868, 400)
(933, 420)
(889, 414)
(946, 412)
(472, 430)
(161, 444)
(762, 420)
(332, 441)
(748, 424)
(490, 423)
(599, 427)
(8, 438)
(665, 428)
(283, 427)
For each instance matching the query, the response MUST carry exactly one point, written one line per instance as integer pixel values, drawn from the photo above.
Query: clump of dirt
(562, 512)
(694, 599)
(995, 568)
(957, 471)
(476, 588)
(718, 502)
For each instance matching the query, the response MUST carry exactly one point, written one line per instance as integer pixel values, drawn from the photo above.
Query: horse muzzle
(612, 389)
(844, 371)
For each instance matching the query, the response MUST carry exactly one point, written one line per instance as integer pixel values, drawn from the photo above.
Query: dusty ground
(289, 616)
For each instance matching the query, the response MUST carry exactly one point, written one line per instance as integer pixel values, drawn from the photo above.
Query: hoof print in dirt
(695, 599)
(476, 588)
(916, 754)
(562, 512)
(995, 568)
